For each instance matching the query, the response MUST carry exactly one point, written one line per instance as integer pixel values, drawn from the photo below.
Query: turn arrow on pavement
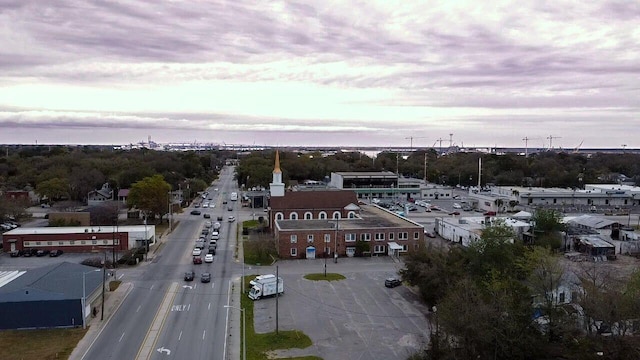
(162, 349)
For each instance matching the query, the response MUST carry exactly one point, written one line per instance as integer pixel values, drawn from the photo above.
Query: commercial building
(49, 297)
(79, 238)
(466, 230)
(386, 184)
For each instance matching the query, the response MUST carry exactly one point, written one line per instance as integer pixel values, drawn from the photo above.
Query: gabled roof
(308, 200)
(52, 282)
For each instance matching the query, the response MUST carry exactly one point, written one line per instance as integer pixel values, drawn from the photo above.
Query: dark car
(219, 218)
(212, 250)
(454, 213)
(189, 276)
(205, 277)
(16, 253)
(195, 212)
(197, 260)
(55, 253)
(42, 253)
(230, 208)
(392, 282)
(207, 216)
(224, 202)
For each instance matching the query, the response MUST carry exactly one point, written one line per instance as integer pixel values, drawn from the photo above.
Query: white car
(208, 258)
(196, 252)
(457, 206)
(205, 205)
(232, 218)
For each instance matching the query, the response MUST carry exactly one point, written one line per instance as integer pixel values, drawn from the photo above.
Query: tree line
(69, 173)
(548, 169)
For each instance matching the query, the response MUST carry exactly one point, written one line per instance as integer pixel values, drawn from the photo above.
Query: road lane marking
(138, 309)
(151, 338)
(188, 307)
(151, 288)
(209, 307)
(180, 336)
(120, 277)
(121, 336)
(226, 328)
(204, 332)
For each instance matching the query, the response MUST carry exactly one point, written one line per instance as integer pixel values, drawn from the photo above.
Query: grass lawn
(39, 344)
(320, 276)
(259, 344)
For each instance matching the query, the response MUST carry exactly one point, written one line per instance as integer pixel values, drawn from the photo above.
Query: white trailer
(266, 287)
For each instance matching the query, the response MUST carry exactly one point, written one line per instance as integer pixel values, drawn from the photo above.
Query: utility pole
(450, 140)
(277, 293)
(526, 146)
(425, 168)
(411, 141)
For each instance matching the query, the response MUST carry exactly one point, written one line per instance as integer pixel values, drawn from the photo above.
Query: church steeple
(276, 188)
(276, 168)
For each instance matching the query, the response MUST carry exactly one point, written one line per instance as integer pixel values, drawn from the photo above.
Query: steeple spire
(276, 168)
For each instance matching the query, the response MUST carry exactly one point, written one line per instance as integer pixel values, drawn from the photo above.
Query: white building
(465, 230)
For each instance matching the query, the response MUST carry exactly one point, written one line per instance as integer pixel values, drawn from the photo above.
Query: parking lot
(356, 318)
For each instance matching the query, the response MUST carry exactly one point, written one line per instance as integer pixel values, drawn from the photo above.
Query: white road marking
(180, 336)
(204, 332)
(120, 277)
(151, 288)
(209, 307)
(121, 336)
(188, 307)
(226, 328)
(138, 309)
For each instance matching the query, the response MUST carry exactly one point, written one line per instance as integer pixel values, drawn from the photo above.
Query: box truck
(266, 287)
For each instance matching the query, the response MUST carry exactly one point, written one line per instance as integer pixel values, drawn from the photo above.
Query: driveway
(356, 318)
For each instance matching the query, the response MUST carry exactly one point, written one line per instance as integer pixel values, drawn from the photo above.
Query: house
(49, 297)
(97, 197)
(123, 195)
(333, 222)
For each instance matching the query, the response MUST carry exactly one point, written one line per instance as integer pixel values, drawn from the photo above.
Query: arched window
(279, 216)
(352, 215)
(308, 216)
(336, 215)
(293, 216)
(322, 215)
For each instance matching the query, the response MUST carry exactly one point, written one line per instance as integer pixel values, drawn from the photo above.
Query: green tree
(53, 189)
(547, 227)
(150, 195)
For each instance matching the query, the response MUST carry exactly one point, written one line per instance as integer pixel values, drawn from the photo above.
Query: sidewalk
(112, 302)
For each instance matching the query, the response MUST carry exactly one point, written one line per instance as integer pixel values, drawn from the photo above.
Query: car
(454, 213)
(216, 189)
(205, 205)
(219, 218)
(196, 252)
(197, 260)
(196, 212)
(224, 202)
(205, 277)
(42, 252)
(212, 250)
(189, 275)
(231, 218)
(429, 234)
(207, 216)
(197, 205)
(490, 213)
(208, 258)
(217, 225)
(55, 253)
(205, 231)
(457, 206)
(392, 282)
(200, 244)
(16, 253)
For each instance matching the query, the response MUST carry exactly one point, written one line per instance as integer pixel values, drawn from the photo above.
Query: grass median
(327, 277)
(259, 345)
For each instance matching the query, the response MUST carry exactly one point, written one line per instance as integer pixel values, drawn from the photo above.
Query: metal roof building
(49, 296)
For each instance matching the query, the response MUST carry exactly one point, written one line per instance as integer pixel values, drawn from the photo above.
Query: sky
(321, 73)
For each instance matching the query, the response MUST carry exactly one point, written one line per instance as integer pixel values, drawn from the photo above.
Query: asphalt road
(194, 325)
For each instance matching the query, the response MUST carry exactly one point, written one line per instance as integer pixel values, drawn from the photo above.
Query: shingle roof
(56, 281)
(323, 199)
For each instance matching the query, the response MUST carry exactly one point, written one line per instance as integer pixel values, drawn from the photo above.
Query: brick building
(316, 223)
(78, 238)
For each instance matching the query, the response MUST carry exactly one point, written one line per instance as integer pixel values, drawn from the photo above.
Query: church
(320, 223)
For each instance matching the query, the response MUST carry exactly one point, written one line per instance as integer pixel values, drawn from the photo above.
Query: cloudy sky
(321, 72)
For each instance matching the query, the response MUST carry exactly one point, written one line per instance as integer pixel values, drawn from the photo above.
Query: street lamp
(244, 331)
(84, 296)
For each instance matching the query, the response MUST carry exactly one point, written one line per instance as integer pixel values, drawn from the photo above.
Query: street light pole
(335, 241)
(84, 296)
(244, 331)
